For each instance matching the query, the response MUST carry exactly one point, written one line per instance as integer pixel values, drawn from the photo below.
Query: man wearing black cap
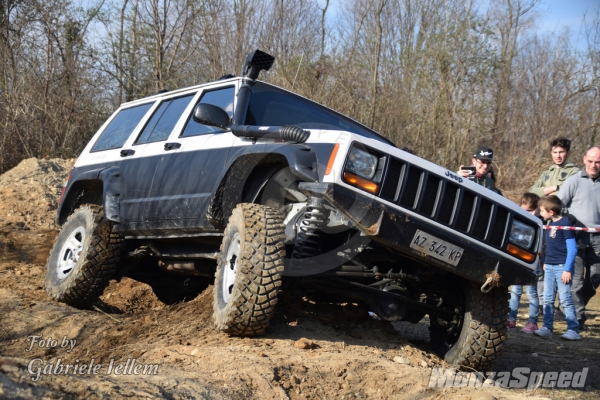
(482, 161)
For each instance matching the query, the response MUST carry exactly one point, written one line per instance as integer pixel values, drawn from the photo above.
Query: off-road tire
(245, 296)
(483, 329)
(96, 262)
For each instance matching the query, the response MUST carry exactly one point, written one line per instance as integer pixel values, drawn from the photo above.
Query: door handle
(127, 152)
(172, 145)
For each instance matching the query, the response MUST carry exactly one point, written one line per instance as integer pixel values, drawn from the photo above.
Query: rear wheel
(83, 259)
(249, 270)
(476, 335)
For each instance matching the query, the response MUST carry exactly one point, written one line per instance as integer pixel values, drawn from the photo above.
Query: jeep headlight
(364, 167)
(522, 235)
(521, 241)
(361, 163)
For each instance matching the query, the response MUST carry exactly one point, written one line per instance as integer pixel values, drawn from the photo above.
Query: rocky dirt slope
(149, 346)
(29, 193)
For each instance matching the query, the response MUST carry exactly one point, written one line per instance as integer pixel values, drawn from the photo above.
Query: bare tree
(510, 20)
(440, 76)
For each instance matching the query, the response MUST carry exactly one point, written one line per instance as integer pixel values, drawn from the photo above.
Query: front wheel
(476, 335)
(249, 269)
(84, 257)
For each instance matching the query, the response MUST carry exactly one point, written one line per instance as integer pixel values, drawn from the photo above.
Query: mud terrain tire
(83, 259)
(483, 329)
(249, 269)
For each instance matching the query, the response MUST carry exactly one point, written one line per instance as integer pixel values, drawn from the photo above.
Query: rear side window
(220, 97)
(116, 133)
(163, 120)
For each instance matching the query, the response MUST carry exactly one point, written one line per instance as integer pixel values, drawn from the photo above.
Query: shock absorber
(307, 240)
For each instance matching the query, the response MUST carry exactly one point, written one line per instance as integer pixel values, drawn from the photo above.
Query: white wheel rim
(230, 268)
(70, 253)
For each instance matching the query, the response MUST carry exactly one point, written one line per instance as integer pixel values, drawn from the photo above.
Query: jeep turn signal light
(332, 158)
(361, 183)
(522, 254)
(62, 192)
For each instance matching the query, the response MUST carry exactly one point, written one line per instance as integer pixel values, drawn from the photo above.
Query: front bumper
(395, 228)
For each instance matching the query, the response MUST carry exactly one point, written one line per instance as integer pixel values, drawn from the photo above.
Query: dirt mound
(30, 191)
(131, 296)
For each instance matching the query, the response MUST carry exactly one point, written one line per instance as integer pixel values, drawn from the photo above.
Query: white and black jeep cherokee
(261, 187)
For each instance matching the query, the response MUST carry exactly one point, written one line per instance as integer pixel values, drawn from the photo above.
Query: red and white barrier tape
(572, 228)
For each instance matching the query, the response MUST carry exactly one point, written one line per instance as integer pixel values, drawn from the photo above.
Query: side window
(116, 133)
(163, 120)
(220, 97)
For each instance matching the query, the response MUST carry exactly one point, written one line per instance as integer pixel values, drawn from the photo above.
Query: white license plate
(436, 248)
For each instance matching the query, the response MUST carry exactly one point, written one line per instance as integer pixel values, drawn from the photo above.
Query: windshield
(270, 106)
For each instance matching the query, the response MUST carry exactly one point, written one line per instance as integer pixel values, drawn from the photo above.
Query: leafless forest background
(439, 76)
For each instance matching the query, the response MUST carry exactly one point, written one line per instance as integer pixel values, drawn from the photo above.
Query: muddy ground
(311, 351)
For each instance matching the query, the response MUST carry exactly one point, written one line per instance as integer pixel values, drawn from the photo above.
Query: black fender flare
(111, 193)
(85, 187)
(229, 191)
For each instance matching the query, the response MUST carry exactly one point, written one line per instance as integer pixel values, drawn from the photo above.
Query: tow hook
(492, 280)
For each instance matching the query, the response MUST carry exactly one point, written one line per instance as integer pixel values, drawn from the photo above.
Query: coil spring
(307, 242)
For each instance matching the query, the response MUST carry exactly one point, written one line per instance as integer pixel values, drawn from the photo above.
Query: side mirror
(209, 114)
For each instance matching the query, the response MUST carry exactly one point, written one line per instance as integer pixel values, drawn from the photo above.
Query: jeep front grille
(445, 202)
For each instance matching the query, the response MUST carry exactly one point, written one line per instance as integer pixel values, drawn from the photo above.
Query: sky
(556, 14)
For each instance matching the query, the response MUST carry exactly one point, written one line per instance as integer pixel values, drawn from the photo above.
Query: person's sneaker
(512, 324)
(530, 327)
(571, 335)
(543, 332)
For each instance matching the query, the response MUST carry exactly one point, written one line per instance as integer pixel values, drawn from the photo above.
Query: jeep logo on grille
(454, 176)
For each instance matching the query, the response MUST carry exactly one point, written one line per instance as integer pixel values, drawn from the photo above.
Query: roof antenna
(298, 70)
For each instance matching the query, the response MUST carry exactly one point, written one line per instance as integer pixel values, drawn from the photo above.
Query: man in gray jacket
(581, 195)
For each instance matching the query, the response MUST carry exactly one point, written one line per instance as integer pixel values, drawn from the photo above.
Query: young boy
(558, 266)
(529, 202)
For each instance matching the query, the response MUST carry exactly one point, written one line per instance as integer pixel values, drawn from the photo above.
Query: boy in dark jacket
(559, 263)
